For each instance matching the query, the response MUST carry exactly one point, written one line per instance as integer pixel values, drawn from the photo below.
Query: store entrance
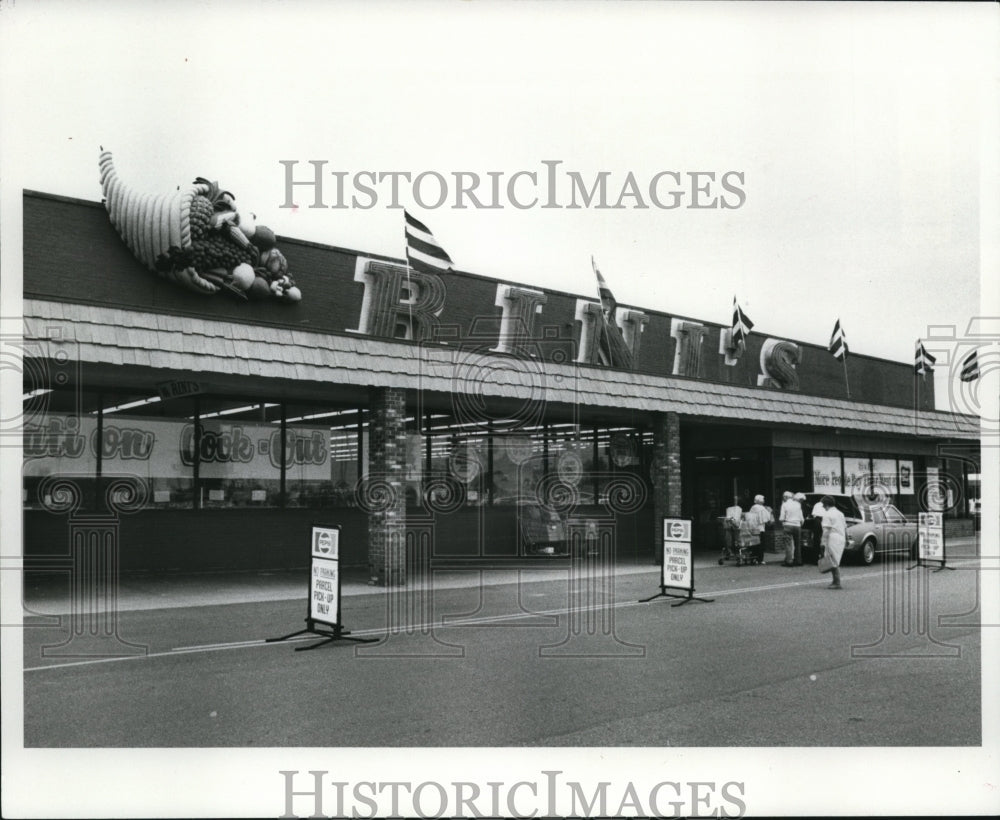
(718, 477)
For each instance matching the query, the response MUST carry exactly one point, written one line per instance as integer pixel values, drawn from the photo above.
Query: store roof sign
(178, 389)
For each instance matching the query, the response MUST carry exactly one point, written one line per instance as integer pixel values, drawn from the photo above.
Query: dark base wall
(209, 539)
(193, 541)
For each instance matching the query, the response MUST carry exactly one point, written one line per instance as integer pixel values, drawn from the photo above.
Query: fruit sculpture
(197, 237)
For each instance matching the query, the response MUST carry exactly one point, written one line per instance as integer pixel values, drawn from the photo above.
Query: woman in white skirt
(834, 537)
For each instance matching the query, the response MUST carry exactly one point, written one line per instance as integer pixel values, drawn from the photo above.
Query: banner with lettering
(827, 474)
(884, 474)
(165, 448)
(857, 474)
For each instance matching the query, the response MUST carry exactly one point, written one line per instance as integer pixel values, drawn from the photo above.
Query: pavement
(51, 595)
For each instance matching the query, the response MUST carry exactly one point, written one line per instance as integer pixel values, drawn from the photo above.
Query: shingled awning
(103, 335)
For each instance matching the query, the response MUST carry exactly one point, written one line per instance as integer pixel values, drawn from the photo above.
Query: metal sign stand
(336, 632)
(677, 532)
(925, 519)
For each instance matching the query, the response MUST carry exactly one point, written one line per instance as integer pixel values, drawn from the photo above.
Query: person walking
(834, 537)
(791, 520)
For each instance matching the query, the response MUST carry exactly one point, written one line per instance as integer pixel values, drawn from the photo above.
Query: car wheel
(868, 551)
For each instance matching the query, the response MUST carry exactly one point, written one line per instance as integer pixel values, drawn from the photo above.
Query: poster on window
(906, 478)
(884, 475)
(826, 474)
(936, 496)
(857, 475)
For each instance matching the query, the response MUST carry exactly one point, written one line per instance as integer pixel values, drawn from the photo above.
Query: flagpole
(847, 383)
(916, 394)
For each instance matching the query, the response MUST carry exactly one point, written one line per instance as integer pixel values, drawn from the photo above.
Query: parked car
(873, 528)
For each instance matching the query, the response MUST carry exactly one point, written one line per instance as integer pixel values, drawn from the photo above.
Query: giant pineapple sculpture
(196, 237)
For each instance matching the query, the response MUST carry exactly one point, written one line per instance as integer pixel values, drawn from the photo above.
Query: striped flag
(423, 252)
(608, 301)
(923, 361)
(741, 325)
(970, 367)
(611, 345)
(838, 342)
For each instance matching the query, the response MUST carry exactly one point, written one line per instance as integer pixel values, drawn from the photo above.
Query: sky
(857, 137)
(865, 136)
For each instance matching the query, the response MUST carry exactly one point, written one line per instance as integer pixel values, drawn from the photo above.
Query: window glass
(321, 456)
(621, 450)
(885, 476)
(894, 516)
(571, 461)
(827, 471)
(857, 473)
(58, 428)
(518, 466)
(239, 454)
(459, 453)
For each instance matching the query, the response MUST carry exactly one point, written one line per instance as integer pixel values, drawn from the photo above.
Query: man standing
(791, 519)
(834, 537)
(759, 517)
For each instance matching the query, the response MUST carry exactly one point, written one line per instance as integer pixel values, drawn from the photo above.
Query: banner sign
(324, 576)
(827, 474)
(157, 448)
(857, 474)
(884, 475)
(930, 531)
(676, 569)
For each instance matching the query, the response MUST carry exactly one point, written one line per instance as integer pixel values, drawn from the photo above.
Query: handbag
(825, 563)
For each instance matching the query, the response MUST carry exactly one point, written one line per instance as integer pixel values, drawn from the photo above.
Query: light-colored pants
(793, 547)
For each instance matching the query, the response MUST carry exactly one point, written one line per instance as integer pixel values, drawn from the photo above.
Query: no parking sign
(677, 566)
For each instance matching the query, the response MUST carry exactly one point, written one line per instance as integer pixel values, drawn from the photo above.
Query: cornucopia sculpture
(196, 237)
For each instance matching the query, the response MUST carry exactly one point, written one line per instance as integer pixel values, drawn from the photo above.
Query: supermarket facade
(459, 412)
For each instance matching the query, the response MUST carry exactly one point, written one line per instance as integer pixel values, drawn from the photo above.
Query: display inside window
(321, 456)
(459, 464)
(239, 454)
(58, 445)
(518, 467)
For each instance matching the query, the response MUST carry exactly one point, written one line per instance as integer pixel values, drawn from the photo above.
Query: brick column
(666, 474)
(385, 496)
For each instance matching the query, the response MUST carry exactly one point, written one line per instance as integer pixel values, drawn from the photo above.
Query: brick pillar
(386, 499)
(666, 474)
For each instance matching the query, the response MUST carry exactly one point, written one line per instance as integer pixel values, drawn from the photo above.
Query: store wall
(85, 261)
(200, 540)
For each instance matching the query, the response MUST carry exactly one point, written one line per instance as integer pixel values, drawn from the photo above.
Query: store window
(239, 452)
(519, 465)
(322, 455)
(789, 466)
(58, 431)
(827, 472)
(458, 468)
(571, 462)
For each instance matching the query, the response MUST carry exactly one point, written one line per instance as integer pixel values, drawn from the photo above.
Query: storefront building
(474, 419)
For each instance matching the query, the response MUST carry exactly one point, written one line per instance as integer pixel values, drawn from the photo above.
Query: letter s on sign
(778, 359)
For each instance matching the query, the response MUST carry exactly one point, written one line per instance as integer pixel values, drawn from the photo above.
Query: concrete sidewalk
(50, 595)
